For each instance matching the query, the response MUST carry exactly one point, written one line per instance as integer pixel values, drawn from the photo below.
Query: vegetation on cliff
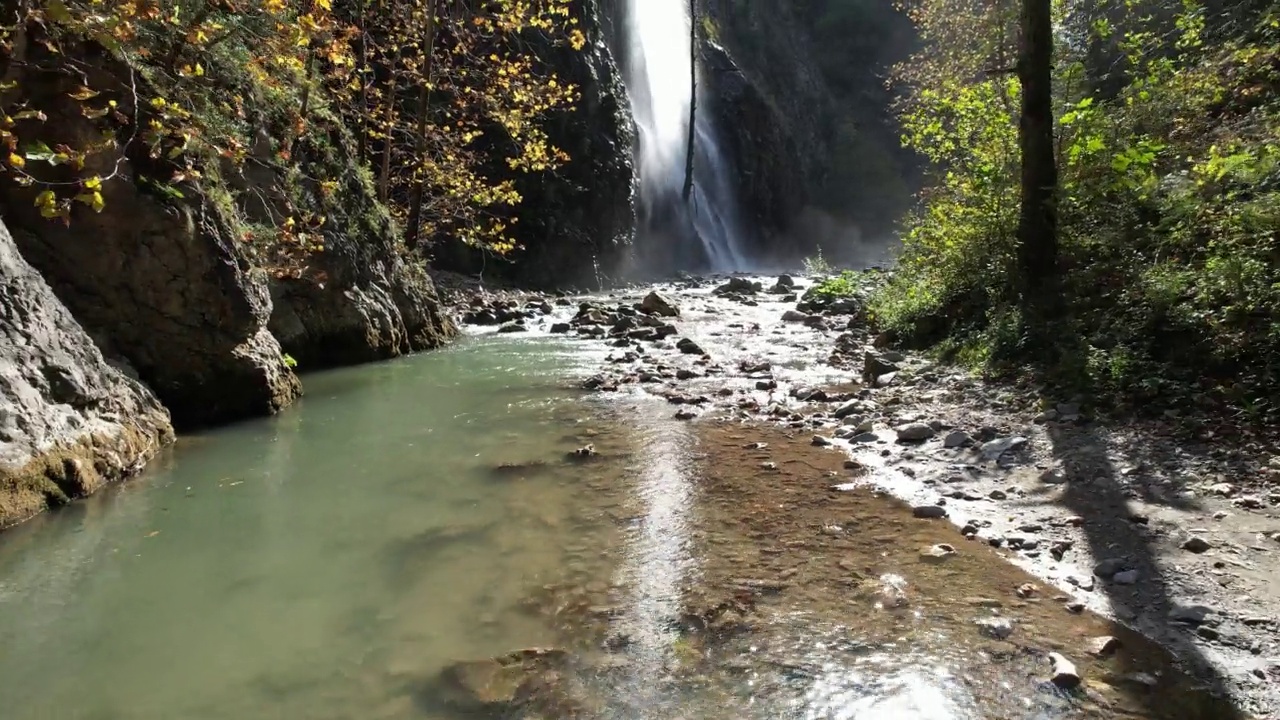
(1166, 280)
(440, 102)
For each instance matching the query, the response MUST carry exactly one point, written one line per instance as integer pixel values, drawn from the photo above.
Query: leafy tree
(445, 98)
(1167, 114)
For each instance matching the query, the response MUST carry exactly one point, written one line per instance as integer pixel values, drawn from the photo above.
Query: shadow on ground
(1101, 493)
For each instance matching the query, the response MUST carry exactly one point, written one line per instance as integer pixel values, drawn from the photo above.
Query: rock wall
(774, 111)
(373, 303)
(576, 223)
(798, 90)
(164, 281)
(156, 280)
(69, 422)
(167, 286)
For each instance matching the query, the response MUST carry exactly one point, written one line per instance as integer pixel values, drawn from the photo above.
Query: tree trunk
(1037, 225)
(362, 72)
(413, 228)
(693, 98)
(384, 177)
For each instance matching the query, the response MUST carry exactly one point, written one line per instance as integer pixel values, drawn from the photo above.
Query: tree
(1037, 221)
(693, 98)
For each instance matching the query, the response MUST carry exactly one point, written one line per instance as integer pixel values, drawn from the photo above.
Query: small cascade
(658, 84)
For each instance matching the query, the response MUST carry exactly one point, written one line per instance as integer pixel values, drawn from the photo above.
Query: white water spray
(658, 65)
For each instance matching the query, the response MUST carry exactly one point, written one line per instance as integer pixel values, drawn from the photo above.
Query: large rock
(69, 422)
(364, 298)
(156, 279)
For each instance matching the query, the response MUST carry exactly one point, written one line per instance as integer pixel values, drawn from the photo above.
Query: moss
(73, 471)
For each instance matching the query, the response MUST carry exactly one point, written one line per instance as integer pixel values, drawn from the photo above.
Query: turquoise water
(318, 564)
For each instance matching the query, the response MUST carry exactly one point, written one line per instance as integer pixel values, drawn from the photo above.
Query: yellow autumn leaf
(83, 93)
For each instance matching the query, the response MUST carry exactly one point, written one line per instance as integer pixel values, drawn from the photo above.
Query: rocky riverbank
(1175, 539)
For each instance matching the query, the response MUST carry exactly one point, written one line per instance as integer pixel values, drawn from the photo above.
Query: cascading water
(658, 84)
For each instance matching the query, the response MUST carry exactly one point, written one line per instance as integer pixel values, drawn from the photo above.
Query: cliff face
(578, 220)
(69, 422)
(165, 283)
(373, 303)
(800, 99)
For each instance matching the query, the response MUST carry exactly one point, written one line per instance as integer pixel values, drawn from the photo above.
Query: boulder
(69, 421)
(656, 304)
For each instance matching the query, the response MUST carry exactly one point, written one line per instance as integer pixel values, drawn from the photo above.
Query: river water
(339, 560)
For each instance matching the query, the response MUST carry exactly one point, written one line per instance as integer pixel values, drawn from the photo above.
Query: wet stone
(1064, 672)
(997, 628)
(914, 432)
(929, 511)
(957, 438)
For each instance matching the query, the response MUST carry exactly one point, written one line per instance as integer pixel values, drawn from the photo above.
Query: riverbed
(467, 533)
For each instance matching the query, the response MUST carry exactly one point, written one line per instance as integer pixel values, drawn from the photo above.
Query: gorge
(440, 395)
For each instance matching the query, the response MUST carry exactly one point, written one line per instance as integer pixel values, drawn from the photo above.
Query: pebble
(993, 449)
(1196, 544)
(1103, 645)
(1053, 476)
(998, 495)
(1194, 614)
(929, 511)
(998, 628)
(938, 553)
(1108, 568)
(957, 438)
(848, 409)
(1125, 577)
(1084, 583)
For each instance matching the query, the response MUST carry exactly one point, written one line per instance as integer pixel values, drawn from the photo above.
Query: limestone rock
(1064, 673)
(69, 421)
(914, 432)
(656, 304)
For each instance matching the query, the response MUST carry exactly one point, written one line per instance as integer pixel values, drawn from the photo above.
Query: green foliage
(248, 100)
(818, 265)
(1169, 203)
(847, 284)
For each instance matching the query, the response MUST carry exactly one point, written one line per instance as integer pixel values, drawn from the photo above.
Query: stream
(418, 539)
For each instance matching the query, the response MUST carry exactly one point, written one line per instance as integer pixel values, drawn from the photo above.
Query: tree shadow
(1119, 534)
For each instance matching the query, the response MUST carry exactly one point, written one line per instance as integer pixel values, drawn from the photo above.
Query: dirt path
(1179, 541)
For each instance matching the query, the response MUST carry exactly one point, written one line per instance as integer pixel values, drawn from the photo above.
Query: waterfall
(657, 80)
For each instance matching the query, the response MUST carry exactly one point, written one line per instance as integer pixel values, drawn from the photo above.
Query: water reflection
(658, 562)
(870, 691)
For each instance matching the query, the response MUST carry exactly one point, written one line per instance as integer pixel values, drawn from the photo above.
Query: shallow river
(333, 561)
